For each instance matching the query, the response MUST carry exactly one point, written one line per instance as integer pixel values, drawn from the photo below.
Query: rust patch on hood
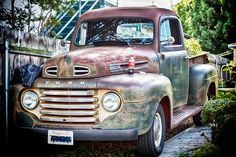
(98, 61)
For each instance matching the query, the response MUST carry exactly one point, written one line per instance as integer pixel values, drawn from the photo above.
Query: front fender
(201, 76)
(141, 94)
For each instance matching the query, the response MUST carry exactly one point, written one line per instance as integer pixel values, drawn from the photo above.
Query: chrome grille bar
(65, 106)
(69, 99)
(69, 119)
(69, 106)
(69, 93)
(68, 112)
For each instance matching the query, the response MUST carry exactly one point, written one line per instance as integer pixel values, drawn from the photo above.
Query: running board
(183, 113)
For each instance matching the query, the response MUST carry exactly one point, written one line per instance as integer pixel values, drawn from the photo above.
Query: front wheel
(152, 142)
(197, 119)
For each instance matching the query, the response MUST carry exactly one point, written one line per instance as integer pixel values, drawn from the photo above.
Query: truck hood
(99, 61)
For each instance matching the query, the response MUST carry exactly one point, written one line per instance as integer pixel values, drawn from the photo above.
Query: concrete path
(186, 141)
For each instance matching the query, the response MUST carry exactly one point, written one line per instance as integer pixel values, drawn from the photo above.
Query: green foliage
(231, 67)
(212, 109)
(221, 114)
(207, 150)
(20, 19)
(184, 154)
(25, 15)
(192, 46)
(211, 21)
(227, 95)
(31, 51)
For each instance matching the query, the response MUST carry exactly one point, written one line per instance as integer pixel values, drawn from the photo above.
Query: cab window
(171, 37)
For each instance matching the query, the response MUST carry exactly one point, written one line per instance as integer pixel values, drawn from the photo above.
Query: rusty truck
(126, 77)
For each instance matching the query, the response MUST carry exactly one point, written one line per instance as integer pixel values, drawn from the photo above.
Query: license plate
(60, 137)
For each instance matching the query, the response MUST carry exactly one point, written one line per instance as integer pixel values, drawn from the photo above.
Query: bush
(221, 114)
(192, 47)
(207, 150)
(184, 154)
(227, 95)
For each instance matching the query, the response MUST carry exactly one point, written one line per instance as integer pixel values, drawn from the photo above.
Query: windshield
(130, 31)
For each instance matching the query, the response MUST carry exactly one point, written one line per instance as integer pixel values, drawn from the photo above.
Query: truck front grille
(69, 106)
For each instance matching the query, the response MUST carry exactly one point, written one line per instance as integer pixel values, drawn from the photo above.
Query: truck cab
(126, 77)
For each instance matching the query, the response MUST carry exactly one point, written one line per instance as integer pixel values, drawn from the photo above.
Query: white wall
(158, 3)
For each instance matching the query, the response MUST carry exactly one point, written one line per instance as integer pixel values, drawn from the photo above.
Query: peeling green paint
(132, 115)
(201, 76)
(68, 59)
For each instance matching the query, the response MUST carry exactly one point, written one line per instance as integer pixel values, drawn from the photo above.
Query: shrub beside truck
(126, 77)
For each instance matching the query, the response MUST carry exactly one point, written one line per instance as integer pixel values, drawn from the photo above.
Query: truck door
(174, 58)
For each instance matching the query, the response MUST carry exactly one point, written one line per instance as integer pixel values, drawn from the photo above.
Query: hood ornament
(131, 65)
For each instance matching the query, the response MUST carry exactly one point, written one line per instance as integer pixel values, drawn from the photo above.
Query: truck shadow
(30, 147)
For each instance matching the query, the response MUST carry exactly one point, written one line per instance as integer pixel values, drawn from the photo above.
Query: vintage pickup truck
(127, 76)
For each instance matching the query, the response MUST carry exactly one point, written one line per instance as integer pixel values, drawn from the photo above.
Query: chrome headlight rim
(28, 93)
(113, 96)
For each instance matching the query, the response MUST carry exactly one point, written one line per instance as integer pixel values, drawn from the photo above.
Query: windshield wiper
(111, 42)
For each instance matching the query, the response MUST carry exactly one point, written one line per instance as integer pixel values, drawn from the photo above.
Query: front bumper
(85, 134)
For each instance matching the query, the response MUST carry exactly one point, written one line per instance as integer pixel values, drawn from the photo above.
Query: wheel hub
(157, 130)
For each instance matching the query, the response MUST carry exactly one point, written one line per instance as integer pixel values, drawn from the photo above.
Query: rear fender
(201, 77)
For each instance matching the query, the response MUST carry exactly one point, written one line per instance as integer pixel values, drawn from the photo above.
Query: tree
(34, 15)
(13, 19)
(211, 21)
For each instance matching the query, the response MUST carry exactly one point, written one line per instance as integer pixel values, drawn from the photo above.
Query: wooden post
(233, 47)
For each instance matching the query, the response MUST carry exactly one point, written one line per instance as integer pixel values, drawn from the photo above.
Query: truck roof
(144, 12)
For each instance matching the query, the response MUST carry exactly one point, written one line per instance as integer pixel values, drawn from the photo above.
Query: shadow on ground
(80, 149)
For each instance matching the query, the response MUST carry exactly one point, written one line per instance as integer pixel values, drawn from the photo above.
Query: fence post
(6, 85)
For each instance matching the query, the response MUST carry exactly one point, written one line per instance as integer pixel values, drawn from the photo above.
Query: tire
(197, 119)
(151, 143)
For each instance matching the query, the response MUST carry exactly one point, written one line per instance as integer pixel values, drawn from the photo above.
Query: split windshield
(129, 31)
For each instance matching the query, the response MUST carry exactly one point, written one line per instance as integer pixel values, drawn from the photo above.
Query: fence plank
(17, 60)
(29, 48)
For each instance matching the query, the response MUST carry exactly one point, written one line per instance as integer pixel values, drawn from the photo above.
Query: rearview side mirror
(170, 40)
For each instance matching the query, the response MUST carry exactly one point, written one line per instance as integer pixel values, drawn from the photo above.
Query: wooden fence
(28, 48)
(19, 59)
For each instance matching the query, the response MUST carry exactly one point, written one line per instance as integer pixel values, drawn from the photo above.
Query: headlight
(111, 102)
(29, 100)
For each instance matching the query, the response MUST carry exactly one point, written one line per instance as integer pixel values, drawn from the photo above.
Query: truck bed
(199, 59)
